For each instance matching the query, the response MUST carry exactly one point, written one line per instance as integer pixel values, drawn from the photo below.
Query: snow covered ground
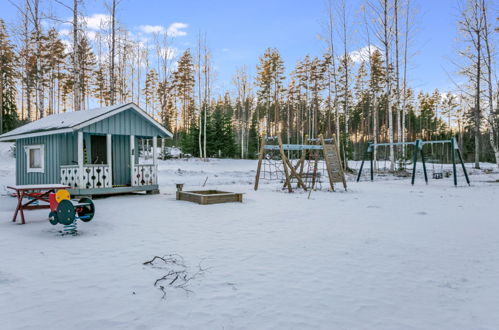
(384, 255)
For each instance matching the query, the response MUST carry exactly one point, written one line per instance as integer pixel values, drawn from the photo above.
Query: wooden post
(163, 148)
(132, 158)
(154, 147)
(80, 160)
(155, 157)
(285, 161)
(260, 159)
(301, 163)
(285, 165)
(303, 155)
(109, 141)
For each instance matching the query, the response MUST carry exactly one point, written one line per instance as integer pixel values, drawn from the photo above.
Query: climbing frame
(300, 166)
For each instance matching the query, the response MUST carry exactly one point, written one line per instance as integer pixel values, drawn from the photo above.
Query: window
(35, 158)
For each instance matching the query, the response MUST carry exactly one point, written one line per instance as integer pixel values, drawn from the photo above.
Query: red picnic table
(36, 193)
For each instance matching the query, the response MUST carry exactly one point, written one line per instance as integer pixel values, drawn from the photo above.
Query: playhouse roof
(71, 121)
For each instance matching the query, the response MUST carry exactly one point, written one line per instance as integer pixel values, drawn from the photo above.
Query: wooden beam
(260, 159)
(285, 165)
(286, 161)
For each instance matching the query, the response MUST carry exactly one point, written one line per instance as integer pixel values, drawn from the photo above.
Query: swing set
(438, 172)
(300, 165)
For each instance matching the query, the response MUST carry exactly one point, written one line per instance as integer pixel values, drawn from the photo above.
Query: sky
(238, 32)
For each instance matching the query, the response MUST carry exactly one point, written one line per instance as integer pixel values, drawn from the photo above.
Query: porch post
(154, 147)
(80, 160)
(109, 141)
(132, 158)
(155, 159)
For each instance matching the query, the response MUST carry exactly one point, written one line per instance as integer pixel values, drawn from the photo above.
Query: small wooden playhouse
(95, 152)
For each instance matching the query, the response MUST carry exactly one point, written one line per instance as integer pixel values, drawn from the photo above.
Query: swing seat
(438, 175)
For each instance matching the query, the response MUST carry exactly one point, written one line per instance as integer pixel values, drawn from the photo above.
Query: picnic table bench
(35, 193)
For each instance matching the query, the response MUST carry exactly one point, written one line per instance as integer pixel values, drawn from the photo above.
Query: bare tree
(332, 70)
(243, 90)
(489, 67)
(472, 26)
(76, 61)
(112, 86)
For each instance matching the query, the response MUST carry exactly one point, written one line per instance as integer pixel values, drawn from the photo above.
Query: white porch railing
(93, 176)
(145, 175)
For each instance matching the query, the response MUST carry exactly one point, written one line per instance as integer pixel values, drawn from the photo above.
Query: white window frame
(42, 150)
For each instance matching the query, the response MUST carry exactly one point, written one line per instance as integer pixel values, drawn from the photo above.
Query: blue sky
(240, 31)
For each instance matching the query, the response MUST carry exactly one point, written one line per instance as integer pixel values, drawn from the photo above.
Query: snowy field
(384, 255)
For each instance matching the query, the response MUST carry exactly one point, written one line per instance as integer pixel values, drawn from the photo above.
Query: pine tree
(375, 86)
(270, 75)
(55, 66)
(150, 91)
(183, 82)
(87, 63)
(8, 114)
(100, 90)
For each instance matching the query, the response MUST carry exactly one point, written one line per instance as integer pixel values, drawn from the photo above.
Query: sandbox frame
(205, 197)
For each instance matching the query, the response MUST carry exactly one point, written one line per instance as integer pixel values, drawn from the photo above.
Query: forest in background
(355, 96)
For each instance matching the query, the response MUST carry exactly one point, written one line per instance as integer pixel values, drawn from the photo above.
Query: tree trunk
(112, 91)
(76, 61)
(488, 61)
(386, 42)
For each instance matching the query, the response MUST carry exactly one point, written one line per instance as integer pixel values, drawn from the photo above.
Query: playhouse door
(121, 160)
(98, 149)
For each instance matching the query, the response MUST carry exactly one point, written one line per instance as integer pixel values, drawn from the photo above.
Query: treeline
(355, 95)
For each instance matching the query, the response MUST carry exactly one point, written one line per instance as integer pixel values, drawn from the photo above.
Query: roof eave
(12, 138)
(88, 123)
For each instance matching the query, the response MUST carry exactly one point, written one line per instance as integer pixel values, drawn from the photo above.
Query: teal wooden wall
(121, 160)
(52, 161)
(61, 149)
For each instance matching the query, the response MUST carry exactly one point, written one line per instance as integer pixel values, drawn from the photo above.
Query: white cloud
(362, 54)
(174, 29)
(225, 49)
(96, 21)
(152, 28)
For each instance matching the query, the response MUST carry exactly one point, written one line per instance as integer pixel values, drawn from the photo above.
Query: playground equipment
(419, 145)
(300, 165)
(66, 211)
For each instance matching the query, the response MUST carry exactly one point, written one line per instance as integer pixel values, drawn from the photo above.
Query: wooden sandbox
(204, 197)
